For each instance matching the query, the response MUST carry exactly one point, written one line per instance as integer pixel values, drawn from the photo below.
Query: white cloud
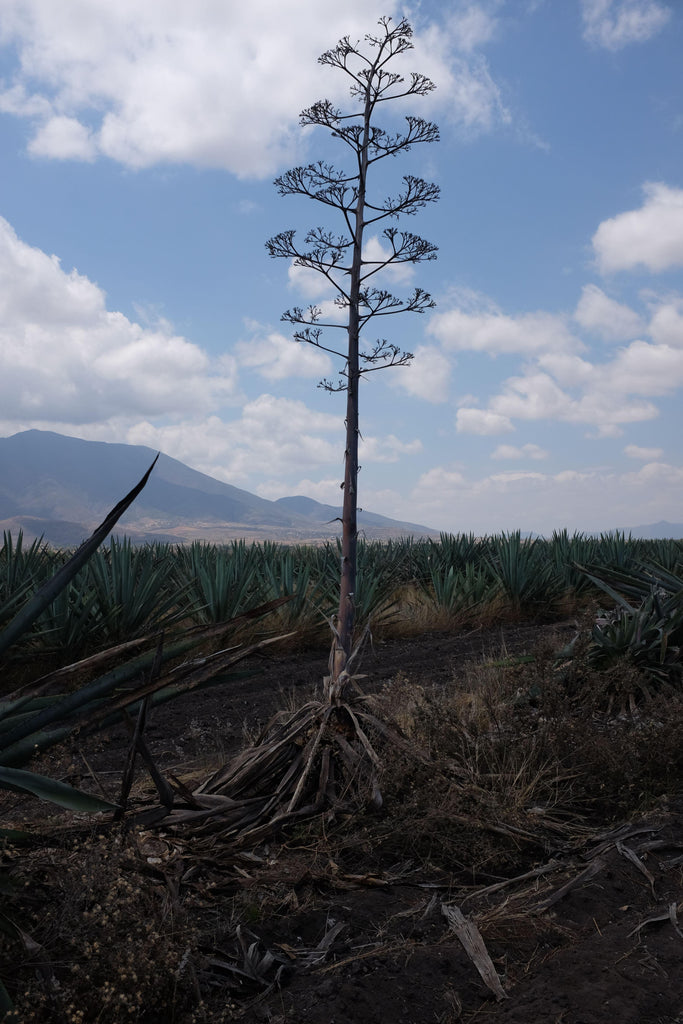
(651, 237)
(604, 396)
(569, 371)
(614, 24)
(427, 376)
(496, 333)
(440, 480)
(572, 499)
(606, 317)
(63, 138)
(271, 443)
(387, 449)
(273, 437)
(376, 251)
(643, 369)
(472, 26)
(67, 358)
(527, 451)
(467, 95)
(634, 451)
(202, 83)
(533, 396)
(482, 421)
(475, 99)
(612, 397)
(666, 326)
(277, 357)
(309, 283)
(660, 473)
(558, 384)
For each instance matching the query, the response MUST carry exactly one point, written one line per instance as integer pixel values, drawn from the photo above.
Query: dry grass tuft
(524, 755)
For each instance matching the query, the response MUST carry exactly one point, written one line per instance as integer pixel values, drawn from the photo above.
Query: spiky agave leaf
(49, 591)
(55, 792)
(49, 789)
(100, 701)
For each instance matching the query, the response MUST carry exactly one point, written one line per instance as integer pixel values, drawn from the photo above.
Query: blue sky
(137, 301)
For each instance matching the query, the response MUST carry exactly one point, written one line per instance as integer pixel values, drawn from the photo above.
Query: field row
(125, 591)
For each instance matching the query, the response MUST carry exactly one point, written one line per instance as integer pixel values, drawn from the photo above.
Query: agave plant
(567, 553)
(646, 628)
(288, 573)
(22, 569)
(222, 581)
(70, 624)
(522, 571)
(457, 551)
(462, 592)
(618, 550)
(136, 588)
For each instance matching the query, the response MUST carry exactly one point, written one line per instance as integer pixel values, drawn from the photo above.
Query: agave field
(125, 592)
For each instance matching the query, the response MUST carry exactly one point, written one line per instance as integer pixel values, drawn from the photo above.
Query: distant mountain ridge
(60, 487)
(656, 531)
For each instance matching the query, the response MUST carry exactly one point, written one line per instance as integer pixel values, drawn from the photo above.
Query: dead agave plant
(320, 757)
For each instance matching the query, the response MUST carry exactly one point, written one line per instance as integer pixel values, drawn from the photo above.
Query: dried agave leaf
(473, 944)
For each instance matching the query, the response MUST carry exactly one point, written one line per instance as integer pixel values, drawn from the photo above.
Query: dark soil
(338, 925)
(223, 716)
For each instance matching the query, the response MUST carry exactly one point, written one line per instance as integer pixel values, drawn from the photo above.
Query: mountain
(316, 512)
(61, 487)
(657, 531)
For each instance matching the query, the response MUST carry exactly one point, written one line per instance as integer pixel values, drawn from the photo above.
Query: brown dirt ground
(356, 936)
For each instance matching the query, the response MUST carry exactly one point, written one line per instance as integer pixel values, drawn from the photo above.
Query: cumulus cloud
(482, 421)
(272, 437)
(472, 26)
(657, 473)
(203, 83)
(651, 237)
(613, 396)
(528, 500)
(666, 326)
(387, 449)
(560, 380)
(277, 357)
(271, 441)
(427, 376)
(376, 252)
(605, 317)
(634, 451)
(527, 451)
(642, 369)
(603, 396)
(67, 358)
(496, 333)
(533, 396)
(568, 370)
(309, 283)
(63, 138)
(614, 24)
